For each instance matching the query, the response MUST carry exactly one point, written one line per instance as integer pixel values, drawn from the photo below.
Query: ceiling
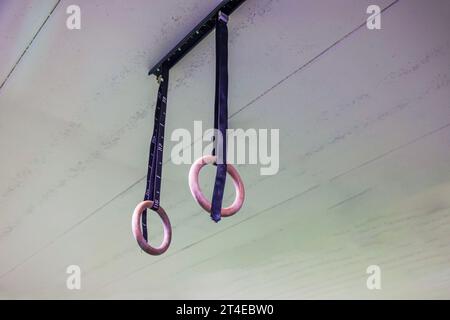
(364, 179)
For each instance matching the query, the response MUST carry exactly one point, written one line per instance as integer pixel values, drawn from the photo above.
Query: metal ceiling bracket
(222, 11)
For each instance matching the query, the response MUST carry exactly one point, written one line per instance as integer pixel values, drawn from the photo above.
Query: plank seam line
(61, 235)
(352, 197)
(406, 144)
(29, 45)
(337, 42)
(296, 196)
(232, 115)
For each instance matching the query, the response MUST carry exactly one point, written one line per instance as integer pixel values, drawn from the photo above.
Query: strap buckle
(223, 17)
(159, 79)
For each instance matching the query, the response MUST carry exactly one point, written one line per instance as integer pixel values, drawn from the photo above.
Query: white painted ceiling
(364, 119)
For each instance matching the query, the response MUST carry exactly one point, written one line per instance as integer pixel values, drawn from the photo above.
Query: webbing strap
(220, 114)
(154, 171)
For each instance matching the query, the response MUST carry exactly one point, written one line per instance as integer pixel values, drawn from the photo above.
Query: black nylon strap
(220, 114)
(154, 171)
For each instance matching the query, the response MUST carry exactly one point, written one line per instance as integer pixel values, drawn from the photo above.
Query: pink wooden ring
(136, 228)
(198, 194)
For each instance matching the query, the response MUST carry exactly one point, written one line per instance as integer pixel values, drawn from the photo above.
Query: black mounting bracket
(208, 24)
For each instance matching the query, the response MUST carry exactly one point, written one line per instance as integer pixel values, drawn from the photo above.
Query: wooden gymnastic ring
(136, 228)
(198, 194)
